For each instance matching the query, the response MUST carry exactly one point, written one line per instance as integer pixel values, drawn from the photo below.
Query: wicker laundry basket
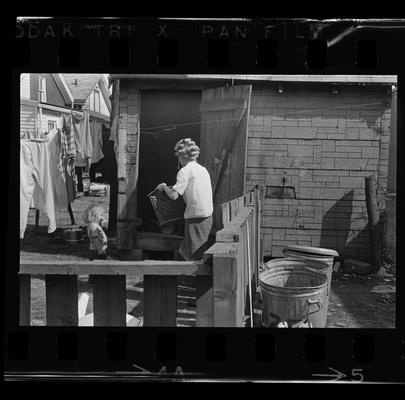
(167, 210)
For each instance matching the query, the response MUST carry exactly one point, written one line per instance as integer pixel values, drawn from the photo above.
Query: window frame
(42, 89)
(52, 121)
(97, 94)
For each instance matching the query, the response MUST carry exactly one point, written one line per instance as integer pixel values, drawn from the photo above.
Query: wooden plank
(109, 300)
(243, 148)
(151, 300)
(226, 291)
(222, 249)
(252, 249)
(229, 148)
(114, 267)
(241, 271)
(131, 193)
(234, 208)
(25, 300)
(157, 241)
(168, 305)
(225, 213)
(122, 186)
(373, 223)
(239, 159)
(231, 231)
(227, 236)
(61, 300)
(223, 105)
(160, 300)
(260, 196)
(218, 138)
(205, 301)
(214, 139)
(250, 270)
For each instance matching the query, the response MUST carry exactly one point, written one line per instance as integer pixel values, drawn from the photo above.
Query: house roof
(63, 87)
(342, 79)
(85, 84)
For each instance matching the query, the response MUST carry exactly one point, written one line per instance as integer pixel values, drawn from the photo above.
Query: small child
(93, 217)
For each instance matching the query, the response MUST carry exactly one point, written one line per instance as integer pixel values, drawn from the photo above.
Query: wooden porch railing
(236, 258)
(226, 279)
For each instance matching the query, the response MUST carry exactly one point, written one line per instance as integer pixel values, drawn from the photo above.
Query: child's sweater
(97, 237)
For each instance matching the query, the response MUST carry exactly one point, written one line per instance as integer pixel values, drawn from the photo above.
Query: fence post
(160, 300)
(205, 301)
(25, 300)
(227, 310)
(61, 300)
(110, 307)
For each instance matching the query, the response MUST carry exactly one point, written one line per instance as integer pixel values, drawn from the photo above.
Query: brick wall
(324, 144)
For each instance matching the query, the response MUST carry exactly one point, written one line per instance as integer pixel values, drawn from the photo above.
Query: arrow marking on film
(142, 369)
(338, 375)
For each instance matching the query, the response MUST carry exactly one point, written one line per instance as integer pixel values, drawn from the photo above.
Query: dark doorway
(162, 123)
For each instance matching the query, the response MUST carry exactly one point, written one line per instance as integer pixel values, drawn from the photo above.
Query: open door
(224, 127)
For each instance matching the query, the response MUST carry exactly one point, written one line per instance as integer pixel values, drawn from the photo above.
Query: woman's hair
(187, 148)
(93, 213)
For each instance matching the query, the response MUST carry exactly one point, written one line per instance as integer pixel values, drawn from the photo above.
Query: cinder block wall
(324, 144)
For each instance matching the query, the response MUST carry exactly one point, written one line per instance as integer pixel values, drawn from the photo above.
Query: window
(97, 99)
(51, 125)
(42, 89)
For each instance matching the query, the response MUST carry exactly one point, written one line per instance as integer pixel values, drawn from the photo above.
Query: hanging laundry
(56, 168)
(83, 140)
(115, 113)
(35, 183)
(69, 179)
(68, 139)
(97, 141)
(67, 162)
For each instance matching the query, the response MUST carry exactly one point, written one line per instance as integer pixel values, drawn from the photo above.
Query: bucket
(316, 254)
(73, 235)
(293, 292)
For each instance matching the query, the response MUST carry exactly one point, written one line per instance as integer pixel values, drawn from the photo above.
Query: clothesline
(172, 127)
(46, 173)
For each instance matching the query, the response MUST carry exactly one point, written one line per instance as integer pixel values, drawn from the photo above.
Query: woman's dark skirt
(196, 233)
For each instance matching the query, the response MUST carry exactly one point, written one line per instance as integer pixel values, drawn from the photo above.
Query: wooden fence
(226, 279)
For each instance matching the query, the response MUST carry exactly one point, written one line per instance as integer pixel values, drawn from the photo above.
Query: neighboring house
(45, 97)
(90, 92)
(308, 140)
(43, 100)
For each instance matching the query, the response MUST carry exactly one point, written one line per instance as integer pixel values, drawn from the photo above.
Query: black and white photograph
(175, 200)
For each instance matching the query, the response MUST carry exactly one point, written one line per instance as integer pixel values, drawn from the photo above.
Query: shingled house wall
(324, 144)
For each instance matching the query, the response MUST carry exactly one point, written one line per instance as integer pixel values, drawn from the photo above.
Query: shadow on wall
(337, 233)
